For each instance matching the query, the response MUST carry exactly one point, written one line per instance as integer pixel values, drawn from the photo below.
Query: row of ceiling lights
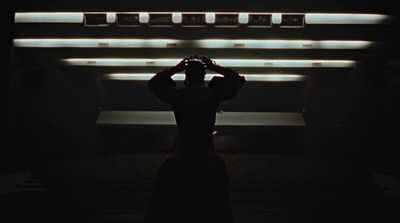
(250, 19)
(200, 18)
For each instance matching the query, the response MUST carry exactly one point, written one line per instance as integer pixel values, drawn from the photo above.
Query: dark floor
(264, 188)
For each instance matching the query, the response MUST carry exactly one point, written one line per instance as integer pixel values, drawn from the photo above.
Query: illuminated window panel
(227, 19)
(160, 19)
(223, 62)
(128, 19)
(208, 77)
(205, 43)
(292, 21)
(194, 19)
(260, 20)
(96, 19)
(347, 19)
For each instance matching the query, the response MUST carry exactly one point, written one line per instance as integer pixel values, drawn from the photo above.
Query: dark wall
(355, 116)
(6, 13)
(52, 114)
(254, 96)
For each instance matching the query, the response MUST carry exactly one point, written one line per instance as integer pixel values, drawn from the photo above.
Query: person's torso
(195, 118)
(195, 111)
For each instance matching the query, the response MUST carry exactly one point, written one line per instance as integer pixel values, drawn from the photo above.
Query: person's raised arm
(162, 85)
(225, 87)
(228, 73)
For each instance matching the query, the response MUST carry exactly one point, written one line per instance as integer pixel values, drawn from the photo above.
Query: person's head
(195, 73)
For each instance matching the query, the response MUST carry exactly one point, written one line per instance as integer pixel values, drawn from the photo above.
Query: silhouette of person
(192, 185)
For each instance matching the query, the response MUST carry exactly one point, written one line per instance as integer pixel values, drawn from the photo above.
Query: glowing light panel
(205, 43)
(342, 18)
(223, 62)
(48, 17)
(208, 77)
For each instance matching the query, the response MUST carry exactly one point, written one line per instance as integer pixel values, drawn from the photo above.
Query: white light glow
(111, 17)
(332, 18)
(243, 18)
(275, 77)
(222, 62)
(95, 43)
(176, 17)
(210, 17)
(144, 17)
(285, 44)
(208, 77)
(276, 18)
(205, 43)
(48, 17)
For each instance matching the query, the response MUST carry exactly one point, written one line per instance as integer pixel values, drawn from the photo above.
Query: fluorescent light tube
(48, 17)
(342, 18)
(205, 43)
(223, 62)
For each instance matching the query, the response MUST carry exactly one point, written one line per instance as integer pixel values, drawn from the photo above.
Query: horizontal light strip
(166, 118)
(328, 18)
(205, 43)
(284, 44)
(222, 62)
(310, 18)
(49, 17)
(208, 77)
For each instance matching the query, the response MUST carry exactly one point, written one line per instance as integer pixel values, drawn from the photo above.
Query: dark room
(223, 111)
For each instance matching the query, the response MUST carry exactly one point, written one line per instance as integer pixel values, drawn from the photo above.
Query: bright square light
(243, 18)
(111, 17)
(276, 18)
(210, 17)
(177, 17)
(144, 17)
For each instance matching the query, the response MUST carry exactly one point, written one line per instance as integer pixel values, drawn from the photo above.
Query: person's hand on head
(182, 65)
(209, 63)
